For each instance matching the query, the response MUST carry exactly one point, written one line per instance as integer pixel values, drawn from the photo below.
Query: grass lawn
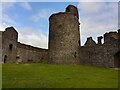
(57, 76)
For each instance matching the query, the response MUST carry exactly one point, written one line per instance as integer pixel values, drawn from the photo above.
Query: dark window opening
(17, 57)
(10, 47)
(79, 42)
(75, 55)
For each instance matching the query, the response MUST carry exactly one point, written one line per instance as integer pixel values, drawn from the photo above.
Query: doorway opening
(5, 58)
(117, 60)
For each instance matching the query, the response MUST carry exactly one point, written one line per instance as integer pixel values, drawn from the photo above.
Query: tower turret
(10, 38)
(64, 37)
(72, 9)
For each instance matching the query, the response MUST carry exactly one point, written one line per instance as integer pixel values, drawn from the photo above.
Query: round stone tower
(64, 37)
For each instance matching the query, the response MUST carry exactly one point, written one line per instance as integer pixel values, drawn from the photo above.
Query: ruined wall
(109, 37)
(112, 43)
(10, 37)
(15, 52)
(101, 54)
(64, 39)
(1, 46)
(30, 54)
(72, 9)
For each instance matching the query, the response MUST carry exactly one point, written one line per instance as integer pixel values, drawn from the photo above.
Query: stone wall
(64, 39)
(10, 37)
(101, 54)
(30, 54)
(72, 9)
(1, 46)
(15, 52)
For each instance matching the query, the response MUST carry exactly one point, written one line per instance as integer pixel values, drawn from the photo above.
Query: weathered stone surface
(15, 52)
(72, 9)
(1, 46)
(10, 37)
(90, 42)
(106, 55)
(64, 39)
(30, 54)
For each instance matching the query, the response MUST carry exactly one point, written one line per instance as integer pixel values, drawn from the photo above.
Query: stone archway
(117, 60)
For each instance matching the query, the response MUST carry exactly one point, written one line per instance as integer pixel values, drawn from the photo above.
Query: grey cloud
(95, 22)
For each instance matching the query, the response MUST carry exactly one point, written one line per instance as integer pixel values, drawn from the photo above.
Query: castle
(64, 45)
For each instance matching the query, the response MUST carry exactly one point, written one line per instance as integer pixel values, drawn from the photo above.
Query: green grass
(57, 76)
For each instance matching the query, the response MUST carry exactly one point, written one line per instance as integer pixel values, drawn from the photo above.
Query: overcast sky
(30, 19)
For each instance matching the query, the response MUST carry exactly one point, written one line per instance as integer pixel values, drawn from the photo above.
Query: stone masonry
(64, 45)
(64, 39)
(0, 47)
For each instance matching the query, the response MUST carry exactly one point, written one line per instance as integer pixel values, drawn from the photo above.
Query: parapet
(10, 33)
(72, 9)
(29, 47)
(62, 15)
(108, 37)
(100, 40)
(90, 42)
(11, 29)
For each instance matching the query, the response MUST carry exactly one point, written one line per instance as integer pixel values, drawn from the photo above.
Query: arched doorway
(5, 58)
(117, 60)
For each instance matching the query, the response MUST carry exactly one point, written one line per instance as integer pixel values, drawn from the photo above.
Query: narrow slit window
(10, 47)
